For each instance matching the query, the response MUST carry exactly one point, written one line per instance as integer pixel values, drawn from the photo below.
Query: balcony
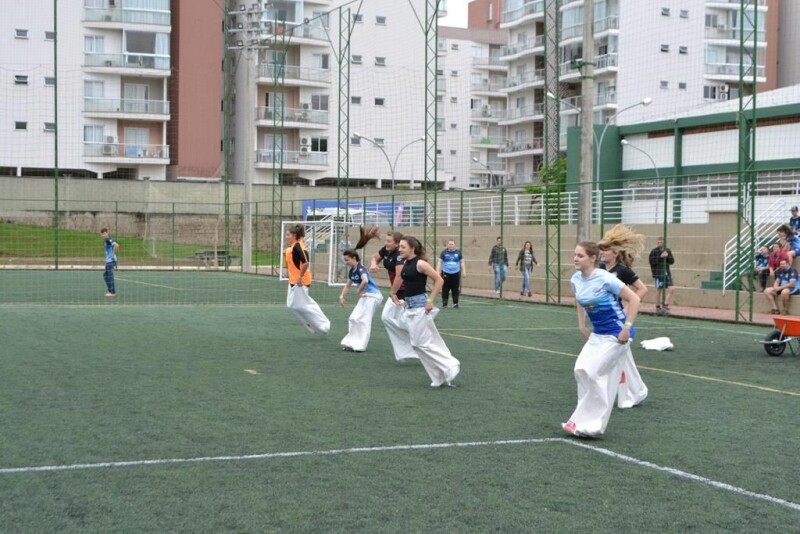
(523, 178)
(286, 32)
(521, 81)
(606, 61)
(529, 10)
(126, 108)
(489, 86)
(488, 114)
(495, 167)
(126, 153)
(521, 47)
(723, 33)
(142, 64)
(114, 16)
(600, 26)
(292, 75)
(489, 62)
(521, 147)
(487, 141)
(524, 113)
(737, 2)
(286, 158)
(730, 71)
(303, 117)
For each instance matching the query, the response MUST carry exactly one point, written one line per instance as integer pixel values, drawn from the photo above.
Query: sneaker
(569, 428)
(455, 305)
(111, 294)
(529, 294)
(665, 310)
(659, 310)
(496, 291)
(522, 293)
(444, 304)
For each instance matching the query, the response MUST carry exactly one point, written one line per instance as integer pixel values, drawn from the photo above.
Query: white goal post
(325, 240)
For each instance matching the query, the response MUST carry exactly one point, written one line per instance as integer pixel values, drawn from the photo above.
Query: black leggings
(451, 282)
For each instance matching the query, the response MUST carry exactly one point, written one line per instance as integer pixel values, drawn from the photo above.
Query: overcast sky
(456, 14)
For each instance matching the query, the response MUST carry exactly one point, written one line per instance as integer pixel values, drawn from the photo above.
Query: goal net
(326, 240)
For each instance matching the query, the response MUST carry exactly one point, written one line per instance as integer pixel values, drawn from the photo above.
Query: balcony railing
(125, 105)
(732, 69)
(487, 140)
(600, 25)
(522, 178)
(490, 86)
(271, 114)
(491, 61)
(521, 46)
(122, 150)
(525, 78)
(128, 16)
(287, 157)
(127, 61)
(520, 145)
(288, 29)
(530, 8)
(493, 166)
(276, 71)
(733, 34)
(525, 112)
(600, 62)
(489, 113)
(759, 2)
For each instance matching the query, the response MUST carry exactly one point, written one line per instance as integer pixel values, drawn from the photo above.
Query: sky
(456, 14)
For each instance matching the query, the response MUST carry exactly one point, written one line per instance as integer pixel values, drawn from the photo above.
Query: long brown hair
(298, 231)
(367, 235)
(416, 246)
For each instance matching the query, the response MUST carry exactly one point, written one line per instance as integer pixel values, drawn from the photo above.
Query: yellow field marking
(656, 369)
(252, 371)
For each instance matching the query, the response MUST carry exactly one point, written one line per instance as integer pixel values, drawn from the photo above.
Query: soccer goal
(326, 240)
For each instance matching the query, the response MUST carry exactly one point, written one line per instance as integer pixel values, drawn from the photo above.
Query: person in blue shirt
(794, 221)
(369, 296)
(761, 268)
(599, 365)
(111, 249)
(789, 242)
(451, 267)
(786, 285)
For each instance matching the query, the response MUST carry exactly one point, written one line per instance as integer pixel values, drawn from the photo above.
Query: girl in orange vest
(298, 300)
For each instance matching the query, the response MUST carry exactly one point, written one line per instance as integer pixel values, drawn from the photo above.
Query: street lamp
(485, 166)
(392, 166)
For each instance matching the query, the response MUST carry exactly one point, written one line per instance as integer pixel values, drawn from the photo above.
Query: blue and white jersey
(787, 276)
(794, 243)
(451, 261)
(598, 295)
(111, 257)
(357, 274)
(762, 262)
(794, 224)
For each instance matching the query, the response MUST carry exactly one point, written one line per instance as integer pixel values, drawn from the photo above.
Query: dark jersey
(390, 261)
(624, 273)
(413, 280)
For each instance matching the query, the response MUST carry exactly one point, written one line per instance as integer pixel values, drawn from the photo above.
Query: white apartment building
(680, 53)
(113, 111)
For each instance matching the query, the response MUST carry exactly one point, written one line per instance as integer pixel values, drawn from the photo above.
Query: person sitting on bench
(786, 285)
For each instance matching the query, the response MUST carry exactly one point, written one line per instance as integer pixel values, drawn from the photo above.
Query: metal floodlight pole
(392, 166)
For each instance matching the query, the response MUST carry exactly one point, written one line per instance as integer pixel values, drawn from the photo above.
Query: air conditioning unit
(304, 150)
(108, 150)
(723, 88)
(305, 141)
(107, 18)
(723, 96)
(721, 27)
(110, 139)
(305, 106)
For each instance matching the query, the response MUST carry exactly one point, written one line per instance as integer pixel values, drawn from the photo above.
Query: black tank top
(414, 281)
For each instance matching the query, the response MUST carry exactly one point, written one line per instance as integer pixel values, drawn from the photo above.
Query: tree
(547, 195)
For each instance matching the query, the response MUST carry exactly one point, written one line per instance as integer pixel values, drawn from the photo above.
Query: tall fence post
(173, 236)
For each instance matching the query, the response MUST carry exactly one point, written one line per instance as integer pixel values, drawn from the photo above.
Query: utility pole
(586, 66)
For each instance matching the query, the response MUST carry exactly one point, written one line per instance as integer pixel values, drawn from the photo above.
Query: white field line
(429, 446)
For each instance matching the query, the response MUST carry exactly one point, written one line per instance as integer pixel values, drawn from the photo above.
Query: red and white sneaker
(569, 428)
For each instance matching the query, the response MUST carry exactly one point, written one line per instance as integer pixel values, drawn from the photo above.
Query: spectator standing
(785, 285)
(111, 249)
(498, 262)
(660, 260)
(762, 267)
(451, 267)
(525, 262)
(794, 221)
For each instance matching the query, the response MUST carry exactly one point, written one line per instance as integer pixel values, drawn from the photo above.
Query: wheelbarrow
(787, 330)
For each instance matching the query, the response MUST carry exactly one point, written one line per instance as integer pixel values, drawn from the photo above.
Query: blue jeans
(500, 274)
(417, 301)
(526, 279)
(108, 276)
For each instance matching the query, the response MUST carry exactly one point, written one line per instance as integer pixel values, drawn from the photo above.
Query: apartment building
(114, 67)
(679, 54)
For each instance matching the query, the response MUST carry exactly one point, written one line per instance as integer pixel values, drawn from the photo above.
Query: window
(665, 12)
(320, 61)
(94, 44)
(665, 48)
(454, 73)
(454, 100)
(683, 50)
(380, 101)
(453, 125)
(49, 36)
(320, 19)
(319, 102)
(380, 21)
(319, 144)
(93, 133)
(49, 127)
(358, 18)
(356, 59)
(20, 126)
(380, 61)
(684, 13)
(452, 152)
(710, 92)
(664, 84)
(93, 89)
(355, 100)
(49, 81)
(20, 34)
(354, 140)
(454, 46)
(711, 21)
(20, 79)
(490, 17)
(682, 85)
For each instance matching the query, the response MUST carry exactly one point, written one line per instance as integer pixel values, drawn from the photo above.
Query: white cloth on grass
(360, 322)
(431, 349)
(597, 371)
(307, 310)
(393, 318)
(632, 389)
(659, 343)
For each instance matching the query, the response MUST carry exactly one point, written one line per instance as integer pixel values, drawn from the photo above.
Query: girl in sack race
(369, 296)
(298, 300)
